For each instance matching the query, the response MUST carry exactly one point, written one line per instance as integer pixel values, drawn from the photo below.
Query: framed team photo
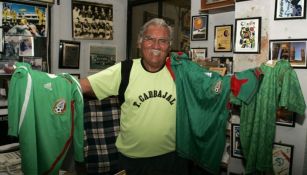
(247, 35)
(287, 10)
(92, 20)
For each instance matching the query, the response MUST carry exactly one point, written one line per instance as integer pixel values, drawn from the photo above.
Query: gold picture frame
(223, 38)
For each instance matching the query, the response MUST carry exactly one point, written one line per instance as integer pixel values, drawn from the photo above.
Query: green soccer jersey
(279, 88)
(46, 113)
(147, 123)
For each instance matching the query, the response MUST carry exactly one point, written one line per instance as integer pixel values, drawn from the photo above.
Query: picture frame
(220, 70)
(236, 150)
(224, 62)
(102, 57)
(77, 76)
(26, 46)
(282, 158)
(293, 50)
(92, 21)
(285, 117)
(69, 54)
(287, 10)
(215, 4)
(199, 29)
(247, 35)
(35, 62)
(223, 38)
(198, 54)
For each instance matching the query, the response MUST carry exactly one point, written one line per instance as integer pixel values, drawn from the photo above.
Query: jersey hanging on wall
(46, 112)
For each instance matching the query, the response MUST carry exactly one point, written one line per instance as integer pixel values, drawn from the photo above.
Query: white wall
(61, 28)
(282, 29)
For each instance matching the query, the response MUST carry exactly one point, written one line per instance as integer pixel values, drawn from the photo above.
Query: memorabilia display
(247, 35)
(102, 57)
(223, 38)
(286, 9)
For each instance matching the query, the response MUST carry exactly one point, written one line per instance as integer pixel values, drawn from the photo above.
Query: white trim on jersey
(26, 101)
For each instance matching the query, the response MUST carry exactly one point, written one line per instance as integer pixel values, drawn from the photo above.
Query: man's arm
(87, 88)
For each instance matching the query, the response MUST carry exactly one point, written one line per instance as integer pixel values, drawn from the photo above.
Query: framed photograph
(223, 38)
(293, 50)
(69, 54)
(11, 47)
(282, 158)
(26, 46)
(92, 20)
(215, 4)
(199, 28)
(224, 62)
(247, 35)
(236, 150)
(285, 117)
(198, 54)
(286, 9)
(102, 57)
(1, 40)
(33, 22)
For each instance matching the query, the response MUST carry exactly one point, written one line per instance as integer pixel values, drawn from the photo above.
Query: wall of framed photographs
(279, 28)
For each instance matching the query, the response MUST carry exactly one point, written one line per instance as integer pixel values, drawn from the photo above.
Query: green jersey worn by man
(46, 112)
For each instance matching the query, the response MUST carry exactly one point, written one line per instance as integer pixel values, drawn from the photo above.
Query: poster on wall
(24, 19)
(290, 9)
(282, 158)
(102, 57)
(199, 29)
(92, 20)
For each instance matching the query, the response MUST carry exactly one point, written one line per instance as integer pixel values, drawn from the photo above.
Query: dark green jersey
(46, 112)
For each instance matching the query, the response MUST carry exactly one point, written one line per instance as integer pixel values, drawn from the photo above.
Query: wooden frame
(293, 50)
(92, 20)
(285, 117)
(223, 38)
(102, 57)
(247, 35)
(199, 53)
(69, 54)
(220, 70)
(282, 158)
(285, 9)
(235, 141)
(215, 4)
(199, 30)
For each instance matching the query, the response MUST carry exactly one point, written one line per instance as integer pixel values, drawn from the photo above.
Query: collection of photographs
(23, 27)
(246, 40)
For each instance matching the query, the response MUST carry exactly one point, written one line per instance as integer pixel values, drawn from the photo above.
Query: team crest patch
(59, 106)
(218, 87)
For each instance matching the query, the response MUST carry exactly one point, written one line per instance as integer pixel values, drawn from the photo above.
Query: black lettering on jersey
(154, 94)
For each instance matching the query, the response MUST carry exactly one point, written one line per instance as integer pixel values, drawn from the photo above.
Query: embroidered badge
(59, 106)
(218, 87)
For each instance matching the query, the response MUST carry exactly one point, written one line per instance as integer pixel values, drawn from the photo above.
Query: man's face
(155, 46)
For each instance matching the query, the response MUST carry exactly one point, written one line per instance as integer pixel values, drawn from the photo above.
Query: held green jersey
(46, 112)
(147, 124)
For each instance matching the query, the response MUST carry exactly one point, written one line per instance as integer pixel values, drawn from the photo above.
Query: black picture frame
(236, 150)
(293, 50)
(223, 35)
(285, 117)
(282, 158)
(286, 10)
(199, 28)
(247, 35)
(69, 54)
